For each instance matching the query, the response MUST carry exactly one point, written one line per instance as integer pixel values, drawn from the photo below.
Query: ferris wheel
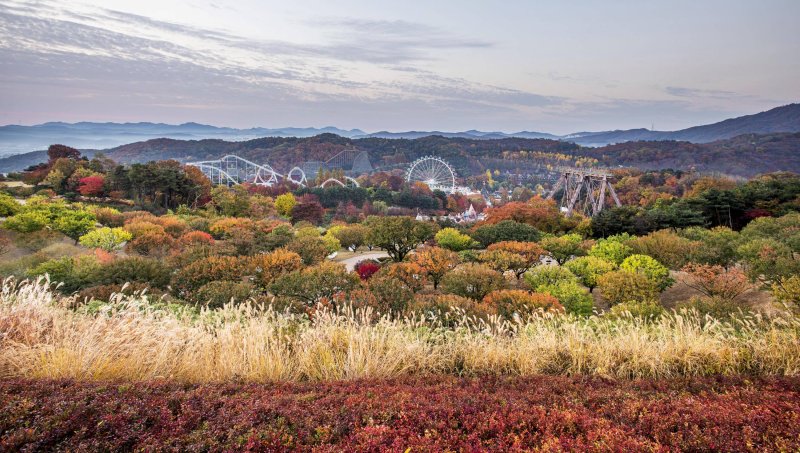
(433, 171)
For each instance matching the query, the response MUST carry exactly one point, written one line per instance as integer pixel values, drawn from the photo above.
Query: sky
(449, 65)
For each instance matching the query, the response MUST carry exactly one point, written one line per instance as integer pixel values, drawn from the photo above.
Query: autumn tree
(352, 236)
(411, 274)
(562, 248)
(473, 280)
(549, 275)
(452, 239)
(530, 252)
(716, 281)
(311, 249)
(505, 230)
(537, 212)
(284, 204)
(436, 261)
(650, 268)
(612, 248)
(588, 269)
(666, 247)
(91, 186)
(308, 209)
(397, 235)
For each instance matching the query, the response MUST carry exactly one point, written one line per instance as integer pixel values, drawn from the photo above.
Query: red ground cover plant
(421, 414)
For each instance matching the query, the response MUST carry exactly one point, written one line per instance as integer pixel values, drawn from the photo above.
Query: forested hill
(745, 155)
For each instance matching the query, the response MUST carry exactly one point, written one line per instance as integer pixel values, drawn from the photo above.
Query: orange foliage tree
(530, 252)
(538, 212)
(436, 262)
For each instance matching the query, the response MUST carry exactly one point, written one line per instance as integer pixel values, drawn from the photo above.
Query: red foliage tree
(92, 186)
(308, 209)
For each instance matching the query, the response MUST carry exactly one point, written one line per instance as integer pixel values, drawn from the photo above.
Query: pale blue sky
(553, 66)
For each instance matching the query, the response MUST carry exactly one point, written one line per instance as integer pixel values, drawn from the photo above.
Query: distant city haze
(450, 65)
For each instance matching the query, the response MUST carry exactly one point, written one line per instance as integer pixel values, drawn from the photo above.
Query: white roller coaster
(433, 171)
(232, 170)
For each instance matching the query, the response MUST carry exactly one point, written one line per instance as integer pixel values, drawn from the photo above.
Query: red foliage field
(423, 414)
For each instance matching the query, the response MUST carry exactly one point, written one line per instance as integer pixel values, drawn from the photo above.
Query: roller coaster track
(232, 170)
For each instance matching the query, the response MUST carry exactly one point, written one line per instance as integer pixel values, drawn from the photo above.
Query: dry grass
(129, 339)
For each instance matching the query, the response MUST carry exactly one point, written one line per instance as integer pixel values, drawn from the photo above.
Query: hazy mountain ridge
(87, 135)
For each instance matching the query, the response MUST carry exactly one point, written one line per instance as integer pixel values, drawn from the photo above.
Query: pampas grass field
(134, 339)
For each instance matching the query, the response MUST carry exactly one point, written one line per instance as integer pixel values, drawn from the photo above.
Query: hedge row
(424, 414)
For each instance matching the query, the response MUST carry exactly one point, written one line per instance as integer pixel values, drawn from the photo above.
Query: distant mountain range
(86, 135)
(748, 145)
(20, 139)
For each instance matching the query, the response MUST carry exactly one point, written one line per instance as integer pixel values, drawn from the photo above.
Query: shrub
(452, 239)
(221, 229)
(549, 275)
(134, 269)
(507, 302)
(575, 298)
(74, 273)
(74, 223)
(411, 274)
(105, 238)
(625, 286)
(650, 268)
(214, 268)
(139, 228)
(217, 294)
(502, 261)
(27, 221)
(588, 269)
(268, 266)
(8, 205)
(367, 268)
(787, 290)
(104, 292)
(473, 280)
(316, 284)
(156, 245)
(109, 217)
(391, 294)
(194, 238)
